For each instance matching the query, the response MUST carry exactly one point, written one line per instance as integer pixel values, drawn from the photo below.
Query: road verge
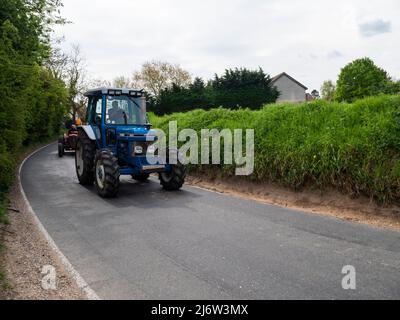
(29, 249)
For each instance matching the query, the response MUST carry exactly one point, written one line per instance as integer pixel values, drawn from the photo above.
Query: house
(290, 89)
(309, 97)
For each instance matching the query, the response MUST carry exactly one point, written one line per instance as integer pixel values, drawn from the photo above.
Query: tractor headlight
(142, 148)
(138, 150)
(114, 92)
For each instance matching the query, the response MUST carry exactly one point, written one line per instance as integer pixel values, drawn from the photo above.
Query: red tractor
(67, 142)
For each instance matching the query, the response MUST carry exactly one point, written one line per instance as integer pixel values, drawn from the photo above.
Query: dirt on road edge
(27, 252)
(329, 203)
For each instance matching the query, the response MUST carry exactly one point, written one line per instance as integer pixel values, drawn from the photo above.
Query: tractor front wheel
(84, 159)
(106, 174)
(174, 179)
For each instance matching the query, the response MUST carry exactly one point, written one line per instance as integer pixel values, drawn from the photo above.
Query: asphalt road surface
(196, 244)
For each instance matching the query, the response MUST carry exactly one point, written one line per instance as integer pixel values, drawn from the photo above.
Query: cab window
(95, 104)
(124, 110)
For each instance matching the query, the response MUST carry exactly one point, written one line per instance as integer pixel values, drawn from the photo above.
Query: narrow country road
(195, 244)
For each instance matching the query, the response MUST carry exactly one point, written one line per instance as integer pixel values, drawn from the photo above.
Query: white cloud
(311, 40)
(373, 28)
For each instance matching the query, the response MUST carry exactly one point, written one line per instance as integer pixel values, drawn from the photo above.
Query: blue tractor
(117, 139)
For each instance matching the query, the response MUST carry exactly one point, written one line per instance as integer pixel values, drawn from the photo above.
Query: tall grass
(352, 147)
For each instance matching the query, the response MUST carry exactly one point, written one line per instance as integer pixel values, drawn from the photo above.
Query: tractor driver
(116, 114)
(73, 129)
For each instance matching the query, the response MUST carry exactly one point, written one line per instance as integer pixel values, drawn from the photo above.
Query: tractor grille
(72, 141)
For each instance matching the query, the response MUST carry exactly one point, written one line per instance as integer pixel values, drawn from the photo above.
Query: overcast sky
(309, 39)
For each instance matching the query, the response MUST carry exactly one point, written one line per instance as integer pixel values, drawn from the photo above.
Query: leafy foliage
(32, 102)
(234, 89)
(328, 90)
(178, 98)
(362, 78)
(243, 88)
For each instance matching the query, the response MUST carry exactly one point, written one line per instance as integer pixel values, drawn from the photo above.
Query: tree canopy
(33, 100)
(362, 78)
(156, 76)
(234, 89)
(328, 90)
(243, 88)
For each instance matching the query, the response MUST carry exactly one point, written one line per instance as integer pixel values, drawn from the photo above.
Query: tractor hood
(138, 133)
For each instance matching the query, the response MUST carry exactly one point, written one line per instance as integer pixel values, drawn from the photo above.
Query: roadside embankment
(351, 148)
(329, 202)
(26, 251)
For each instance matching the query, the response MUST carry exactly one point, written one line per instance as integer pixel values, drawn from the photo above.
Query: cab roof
(106, 90)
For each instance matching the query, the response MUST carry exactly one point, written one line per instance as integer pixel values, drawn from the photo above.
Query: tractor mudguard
(89, 132)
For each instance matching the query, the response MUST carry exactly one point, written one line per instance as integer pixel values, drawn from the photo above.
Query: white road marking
(82, 284)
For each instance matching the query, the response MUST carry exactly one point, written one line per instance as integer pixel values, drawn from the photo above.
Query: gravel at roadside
(26, 254)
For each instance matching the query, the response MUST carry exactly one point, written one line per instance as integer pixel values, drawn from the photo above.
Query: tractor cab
(117, 113)
(117, 139)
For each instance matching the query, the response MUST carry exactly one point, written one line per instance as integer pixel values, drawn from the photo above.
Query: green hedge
(352, 147)
(32, 100)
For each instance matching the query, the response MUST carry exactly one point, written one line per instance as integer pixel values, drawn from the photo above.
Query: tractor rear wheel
(84, 159)
(61, 146)
(60, 150)
(106, 174)
(141, 177)
(175, 178)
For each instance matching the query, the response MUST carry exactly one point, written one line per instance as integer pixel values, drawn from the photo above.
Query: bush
(6, 172)
(352, 147)
(33, 102)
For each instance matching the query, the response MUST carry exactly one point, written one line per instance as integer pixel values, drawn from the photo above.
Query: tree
(236, 88)
(123, 82)
(180, 99)
(32, 98)
(361, 78)
(328, 90)
(243, 88)
(98, 83)
(394, 87)
(77, 82)
(48, 106)
(156, 76)
(57, 61)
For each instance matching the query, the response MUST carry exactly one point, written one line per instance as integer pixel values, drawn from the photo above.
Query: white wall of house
(290, 90)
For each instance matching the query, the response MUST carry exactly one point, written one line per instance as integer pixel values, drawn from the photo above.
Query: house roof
(276, 78)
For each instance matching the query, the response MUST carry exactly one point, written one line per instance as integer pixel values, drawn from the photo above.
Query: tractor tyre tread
(89, 152)
(177, 179)
(60, 149)
(112, 174)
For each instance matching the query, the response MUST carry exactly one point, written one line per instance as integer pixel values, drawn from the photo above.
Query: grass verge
(354, 148)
